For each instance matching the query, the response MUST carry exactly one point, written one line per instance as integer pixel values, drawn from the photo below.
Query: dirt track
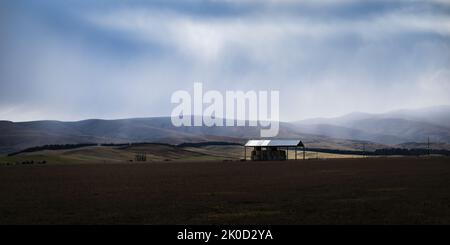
(339, 191)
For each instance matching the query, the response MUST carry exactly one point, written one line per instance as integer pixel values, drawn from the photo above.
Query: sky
(80, 59)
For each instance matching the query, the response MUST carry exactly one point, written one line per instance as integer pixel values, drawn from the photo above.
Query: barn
(273, 150)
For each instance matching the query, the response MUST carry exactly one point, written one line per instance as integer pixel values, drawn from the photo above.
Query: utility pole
(364, 150)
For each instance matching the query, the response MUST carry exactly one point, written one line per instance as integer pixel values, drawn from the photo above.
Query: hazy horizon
(75, 60)
(168, 116)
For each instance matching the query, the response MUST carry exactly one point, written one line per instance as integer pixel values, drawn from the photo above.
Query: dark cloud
(108, 59)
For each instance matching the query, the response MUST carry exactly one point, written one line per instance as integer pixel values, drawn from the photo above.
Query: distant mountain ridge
(16, 136)
(395, 127)
(354, 131)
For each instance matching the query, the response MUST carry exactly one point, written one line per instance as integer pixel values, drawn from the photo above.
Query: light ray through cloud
(71, 60)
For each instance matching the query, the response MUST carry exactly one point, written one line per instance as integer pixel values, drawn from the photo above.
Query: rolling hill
(349, 132)
(15, 136)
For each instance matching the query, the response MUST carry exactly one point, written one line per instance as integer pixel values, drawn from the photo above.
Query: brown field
(334, 191)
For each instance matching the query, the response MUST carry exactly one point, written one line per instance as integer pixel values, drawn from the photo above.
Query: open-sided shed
(273, 149)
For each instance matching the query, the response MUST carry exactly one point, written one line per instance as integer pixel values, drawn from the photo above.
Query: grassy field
(154, 152)
(115, 154)
(332, 191)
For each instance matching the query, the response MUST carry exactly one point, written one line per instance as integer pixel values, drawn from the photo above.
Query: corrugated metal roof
(274, 143)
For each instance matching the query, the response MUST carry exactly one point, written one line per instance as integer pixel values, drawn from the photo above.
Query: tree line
(52, 147)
